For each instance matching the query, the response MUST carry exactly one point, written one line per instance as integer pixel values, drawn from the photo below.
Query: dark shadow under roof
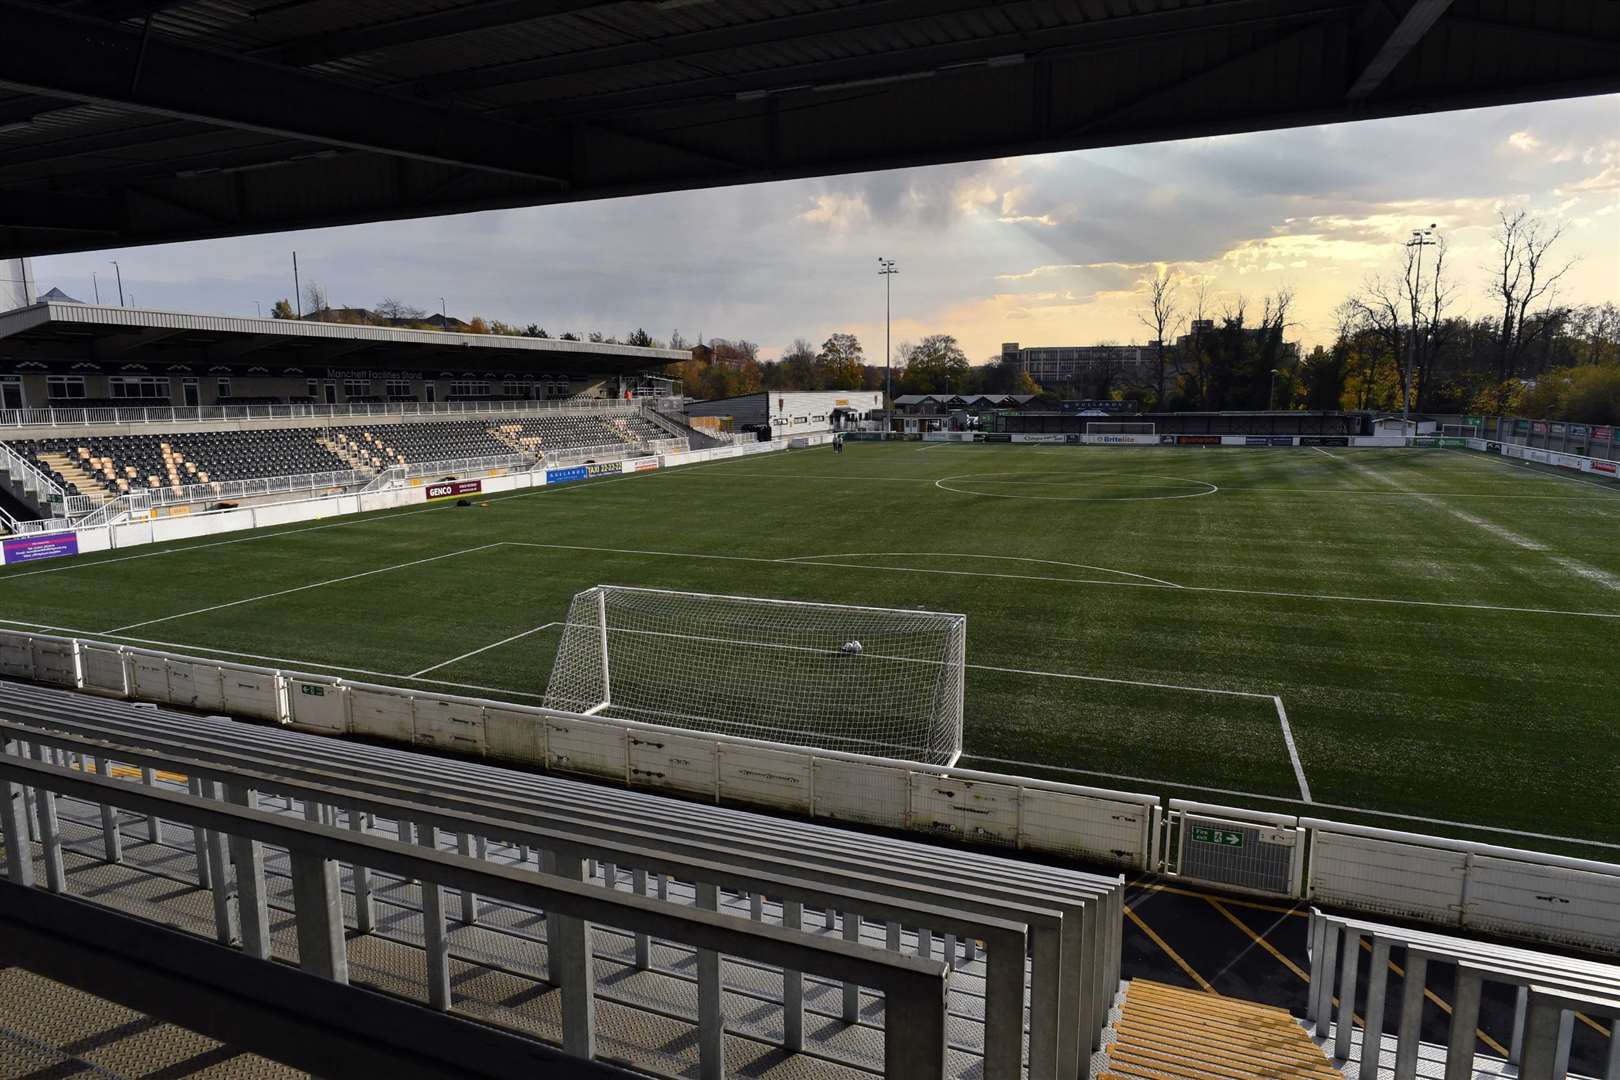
(141, 121)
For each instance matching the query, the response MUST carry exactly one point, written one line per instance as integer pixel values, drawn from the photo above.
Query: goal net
(863, 680)
(1114, 427)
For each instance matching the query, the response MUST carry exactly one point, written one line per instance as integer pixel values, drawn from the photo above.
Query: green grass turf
(1486, 694)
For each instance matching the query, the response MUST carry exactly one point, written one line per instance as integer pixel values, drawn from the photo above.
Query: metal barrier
(173, 414)
(1073, 919)
(235, 832)
(34, 481)
(412, 469)
(579, 455)
(1550, 990)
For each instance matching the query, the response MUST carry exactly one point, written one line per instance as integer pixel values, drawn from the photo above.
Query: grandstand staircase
(88, 483)
(354, 461)
(1166, 1033)
(510, 435)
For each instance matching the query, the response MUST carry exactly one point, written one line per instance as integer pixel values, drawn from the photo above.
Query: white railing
(466, 464)
(578, 455)
(235, 830)
(173, 414)
(87, 513)
(10, 526)
(1550, 989)
(33, 480)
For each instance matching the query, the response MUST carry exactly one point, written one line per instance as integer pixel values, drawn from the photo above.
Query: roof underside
(140, 121)
(87, 332)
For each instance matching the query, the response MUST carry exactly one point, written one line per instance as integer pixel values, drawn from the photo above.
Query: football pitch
(1421, 639)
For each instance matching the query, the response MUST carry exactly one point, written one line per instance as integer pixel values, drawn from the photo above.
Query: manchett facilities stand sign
(34, 548)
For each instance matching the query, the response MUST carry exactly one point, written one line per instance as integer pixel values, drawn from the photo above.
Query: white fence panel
(195, 685)
(1386, 877)
(862, 792)
(381, 715)
(457, 726)
(1558, 904)
(514, 734)
(150, 675)
(16, 655)
(774, 778)
(674, 763)
(104, 668)
(1080, 826)
(251, 693)
(584, 746)
(967, 809)
(54, 662)
(318, 705)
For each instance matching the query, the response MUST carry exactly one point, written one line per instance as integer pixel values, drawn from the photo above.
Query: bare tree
(1197, 361)
(1526, 275)
(1160, 316)
(316, 303)
(391, 309)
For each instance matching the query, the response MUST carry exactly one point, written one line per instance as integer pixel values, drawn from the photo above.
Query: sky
(1045, 250)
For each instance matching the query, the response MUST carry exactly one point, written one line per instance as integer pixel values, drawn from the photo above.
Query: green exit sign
(313, 691)
(1223, 837)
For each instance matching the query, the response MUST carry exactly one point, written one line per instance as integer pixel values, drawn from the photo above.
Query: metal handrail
(1476, 963)
(914, 988)
(1005, 941)
(32, 477)
(169, 414)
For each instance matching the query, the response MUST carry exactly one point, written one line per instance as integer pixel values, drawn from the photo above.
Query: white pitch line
(1120, 682)
(486, 648)
(960, 555)
(299, 588)
(1293, 752)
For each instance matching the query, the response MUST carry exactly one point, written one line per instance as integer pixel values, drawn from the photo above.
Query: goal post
(882, 681)
(1117, 427)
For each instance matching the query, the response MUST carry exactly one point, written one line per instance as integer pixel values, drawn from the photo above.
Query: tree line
(1530, 355)
(392, 312)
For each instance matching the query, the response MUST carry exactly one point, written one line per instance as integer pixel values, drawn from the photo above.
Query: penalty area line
(1293, 752)
(486, 648)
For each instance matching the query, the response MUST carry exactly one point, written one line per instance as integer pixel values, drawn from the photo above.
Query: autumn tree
(282, 309)
(841, 364)
(935, 365)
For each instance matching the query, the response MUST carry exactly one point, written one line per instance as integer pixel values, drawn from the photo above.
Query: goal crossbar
(848, 677)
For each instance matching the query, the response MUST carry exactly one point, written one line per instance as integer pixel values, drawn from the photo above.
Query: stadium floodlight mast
(1421, 238)
(1271, 394)
(887, 270)
(120, 273)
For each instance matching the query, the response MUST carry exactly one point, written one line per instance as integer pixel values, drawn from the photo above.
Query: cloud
(1052, 249)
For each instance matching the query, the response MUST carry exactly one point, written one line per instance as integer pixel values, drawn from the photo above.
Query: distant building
(1058, 364)
(945, 404)
(791, 412)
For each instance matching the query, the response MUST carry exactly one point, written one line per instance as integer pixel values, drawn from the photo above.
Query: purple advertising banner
(49, 546)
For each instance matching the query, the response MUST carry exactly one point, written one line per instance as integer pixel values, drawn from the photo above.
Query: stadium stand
(106, 466)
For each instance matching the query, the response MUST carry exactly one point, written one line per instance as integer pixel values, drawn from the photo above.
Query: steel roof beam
(429, 26)
(1047, 43)
(154, 74)
(1399, 41)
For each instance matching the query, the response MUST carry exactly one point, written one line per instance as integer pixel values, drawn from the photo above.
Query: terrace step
(88, 483)
(1166, 1033)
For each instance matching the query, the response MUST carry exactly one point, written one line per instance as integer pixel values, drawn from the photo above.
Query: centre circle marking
(944, 484)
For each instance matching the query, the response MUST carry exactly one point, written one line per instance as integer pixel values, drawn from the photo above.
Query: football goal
(1115, 427)
(859, 679)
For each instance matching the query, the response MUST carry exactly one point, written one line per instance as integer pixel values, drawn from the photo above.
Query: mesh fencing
(863, 680)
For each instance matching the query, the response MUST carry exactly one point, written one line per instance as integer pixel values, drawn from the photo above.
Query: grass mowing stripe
(300, 588)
